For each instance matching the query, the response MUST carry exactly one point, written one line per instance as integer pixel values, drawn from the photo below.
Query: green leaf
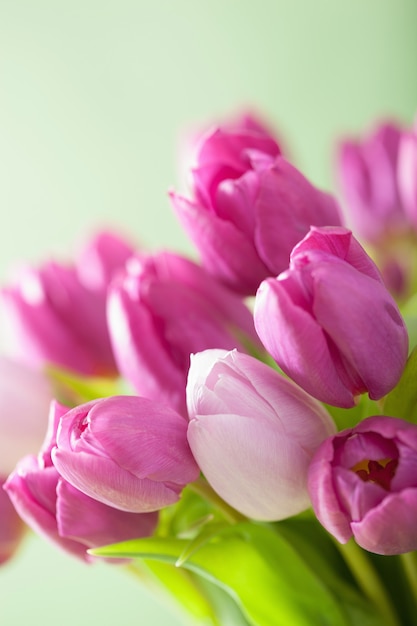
(402, 401)
(260, 569)
(180, 588)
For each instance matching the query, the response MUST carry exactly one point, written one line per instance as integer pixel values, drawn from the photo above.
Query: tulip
(102, 258)
(164, 308)
(57, 314)
(367, 169)
(62, 514)
(250, 208)
(407, 174)
(362, 482)
(253, 433)
(330, 323)
(127, 452)
(25, 396)
(223, 152)
(12, 527)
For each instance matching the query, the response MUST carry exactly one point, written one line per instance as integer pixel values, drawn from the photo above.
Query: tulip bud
(101, 259)
(253, 433)
(250, 208)
(330, 323)
(367, 170)
(62, 514)
(164, 308)
(362, 482)
(57, 314)
(127, 452)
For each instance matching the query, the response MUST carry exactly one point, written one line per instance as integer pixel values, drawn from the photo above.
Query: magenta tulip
(101, 259)
(330, 323)
(62, 514)
(253, 433)
(367, 169)
(164, 308)
(57, 314)
(250, 208)
(363, 483)
(127, 452)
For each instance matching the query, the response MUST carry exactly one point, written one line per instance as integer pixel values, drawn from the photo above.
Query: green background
(94, 100)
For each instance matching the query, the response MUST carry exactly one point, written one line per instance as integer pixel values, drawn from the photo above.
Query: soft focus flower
(25, 396)
(57, 314)
(330, 323)
(62, 514)
(407, 173)
(363, 482)
(128, 452)
(253, 433)
(12, 527)
(378, 176)
(164, 308)
(367, 170)
(250, 206)
(101, 258)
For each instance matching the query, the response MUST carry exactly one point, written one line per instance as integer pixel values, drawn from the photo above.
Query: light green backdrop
(95, 96)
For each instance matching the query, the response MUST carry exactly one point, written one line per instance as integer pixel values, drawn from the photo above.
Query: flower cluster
(161, 378)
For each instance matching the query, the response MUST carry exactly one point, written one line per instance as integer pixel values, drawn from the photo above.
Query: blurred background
(95, 98)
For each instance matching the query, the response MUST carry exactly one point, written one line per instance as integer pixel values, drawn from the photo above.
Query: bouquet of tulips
(238, 432)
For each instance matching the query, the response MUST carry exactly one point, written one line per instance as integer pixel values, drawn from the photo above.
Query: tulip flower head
(127, 452)
(362, 483)
(63, 514)
(253, 433)
(250, 207)
(56, 314)
(367, 169)
(329, 321)
(161, 310)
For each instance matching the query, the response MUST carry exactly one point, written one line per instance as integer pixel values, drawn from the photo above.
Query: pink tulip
(253, 433)
(330, 323)
(164, 308)
(367, 169)
(25, 396)
(57, 314)
(127, 452)
(407, 174)
(250, 207)
(101, 259)
(12, 527)
(363, 483)
(62, 514)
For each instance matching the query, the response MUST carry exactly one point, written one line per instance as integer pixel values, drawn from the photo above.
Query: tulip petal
(222, 246)
(94, 524)
(298, 344)
(389, 528)
(101, 479)
(270, 487)
(345, 301)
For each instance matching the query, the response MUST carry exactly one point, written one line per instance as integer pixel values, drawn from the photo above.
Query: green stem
(409, 563)
(203, 489)
(368, 580)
